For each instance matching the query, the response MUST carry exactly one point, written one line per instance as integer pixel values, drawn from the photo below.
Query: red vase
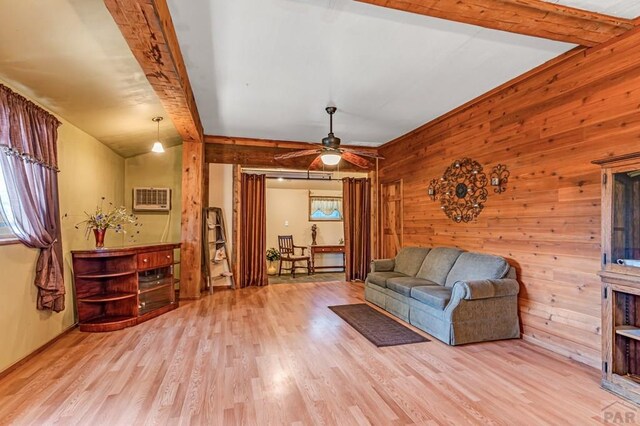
(99, 234)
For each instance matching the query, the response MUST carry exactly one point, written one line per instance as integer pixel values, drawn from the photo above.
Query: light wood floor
(277, 355)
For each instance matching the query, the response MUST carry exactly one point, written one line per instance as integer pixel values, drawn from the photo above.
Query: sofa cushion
(409, 259)
(435, 296)
(476, 266)
(438, 263)
(403, 285)
(380, 278)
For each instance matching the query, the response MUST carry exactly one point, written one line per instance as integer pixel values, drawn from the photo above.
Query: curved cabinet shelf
(106, 297)
(99, 275)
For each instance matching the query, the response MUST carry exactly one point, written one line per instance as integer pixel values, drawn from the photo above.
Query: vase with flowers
(112, 217)
(273, 255)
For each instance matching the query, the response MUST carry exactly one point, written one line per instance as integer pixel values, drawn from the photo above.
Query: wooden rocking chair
(287, 254)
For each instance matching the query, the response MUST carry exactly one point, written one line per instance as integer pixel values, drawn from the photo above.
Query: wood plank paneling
(546, 127)
(530, 17)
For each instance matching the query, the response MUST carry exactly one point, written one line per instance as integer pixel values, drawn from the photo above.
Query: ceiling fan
(330, 153)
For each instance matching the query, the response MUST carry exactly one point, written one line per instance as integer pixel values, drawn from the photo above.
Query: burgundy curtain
(253, 231)
(357, 227)
(29, 165)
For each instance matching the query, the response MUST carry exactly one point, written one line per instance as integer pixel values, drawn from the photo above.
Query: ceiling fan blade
(363, 153)
(296, 154)
(316, 164)
(356, 160)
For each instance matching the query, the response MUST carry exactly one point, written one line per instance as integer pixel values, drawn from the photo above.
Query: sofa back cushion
(409, 259)
(438, 263)
(476, 266)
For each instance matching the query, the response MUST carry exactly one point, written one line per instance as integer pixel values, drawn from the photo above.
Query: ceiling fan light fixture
(330, 158)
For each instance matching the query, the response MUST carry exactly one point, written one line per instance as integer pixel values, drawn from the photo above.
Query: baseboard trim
(39, 350)
(562, 352)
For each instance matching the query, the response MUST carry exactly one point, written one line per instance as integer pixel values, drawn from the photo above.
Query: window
(5, 230)
(325, 208)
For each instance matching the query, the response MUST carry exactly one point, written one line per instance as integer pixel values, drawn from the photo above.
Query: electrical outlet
(286, 223)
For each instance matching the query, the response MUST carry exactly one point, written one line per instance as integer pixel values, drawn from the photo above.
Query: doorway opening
(307, 207)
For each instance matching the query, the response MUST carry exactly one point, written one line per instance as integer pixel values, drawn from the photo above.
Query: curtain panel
(29, 165)
(253, 231)
(357, 227)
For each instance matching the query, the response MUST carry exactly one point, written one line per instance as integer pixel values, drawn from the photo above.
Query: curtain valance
(326, 205)
(27, 131)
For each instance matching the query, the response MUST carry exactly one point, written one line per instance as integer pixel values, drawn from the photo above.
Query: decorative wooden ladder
(217, 267)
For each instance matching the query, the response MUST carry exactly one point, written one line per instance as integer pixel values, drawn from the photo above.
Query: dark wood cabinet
(121, 287)
(620, 275)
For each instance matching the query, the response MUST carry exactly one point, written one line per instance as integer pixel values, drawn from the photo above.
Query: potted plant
(113, 218)
(273, 255)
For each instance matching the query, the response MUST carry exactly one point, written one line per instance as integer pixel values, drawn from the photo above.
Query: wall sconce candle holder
(499, 178)
(432, 190)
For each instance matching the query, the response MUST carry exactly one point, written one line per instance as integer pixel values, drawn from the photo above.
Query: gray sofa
(455, 296)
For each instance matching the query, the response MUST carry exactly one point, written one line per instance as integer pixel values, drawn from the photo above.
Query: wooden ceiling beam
(148, 30)
(529, 17)
(272, 143)
(249, 152)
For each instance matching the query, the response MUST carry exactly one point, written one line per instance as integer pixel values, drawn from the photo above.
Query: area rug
(304, 278)
(378, 328)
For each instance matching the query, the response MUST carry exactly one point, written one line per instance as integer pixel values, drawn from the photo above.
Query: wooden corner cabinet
(620, 275)
(120, 287)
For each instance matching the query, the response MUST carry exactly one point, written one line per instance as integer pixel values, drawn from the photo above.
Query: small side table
(322, 249)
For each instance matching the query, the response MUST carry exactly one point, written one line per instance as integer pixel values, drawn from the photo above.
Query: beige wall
(158, 171)
(221, 195)
(89, 170)
(288, 214)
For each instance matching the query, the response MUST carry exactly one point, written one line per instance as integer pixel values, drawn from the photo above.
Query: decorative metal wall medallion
(499, 178)
(462, 190)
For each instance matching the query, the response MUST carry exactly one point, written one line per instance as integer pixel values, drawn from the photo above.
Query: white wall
(288, 214)
(221, 195)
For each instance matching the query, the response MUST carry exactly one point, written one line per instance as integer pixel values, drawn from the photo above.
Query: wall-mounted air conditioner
(152, 199)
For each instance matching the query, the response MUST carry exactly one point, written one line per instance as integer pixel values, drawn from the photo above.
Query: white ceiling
(620, 8)
(70, 56)
(267, 68)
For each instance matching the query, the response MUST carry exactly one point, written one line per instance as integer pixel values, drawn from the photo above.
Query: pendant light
(157, 145)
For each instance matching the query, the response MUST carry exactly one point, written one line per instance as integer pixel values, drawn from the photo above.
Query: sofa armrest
(486, 289)
(382, 265)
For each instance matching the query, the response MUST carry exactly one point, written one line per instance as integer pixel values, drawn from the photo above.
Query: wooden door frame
(380, 212)
(235, 220)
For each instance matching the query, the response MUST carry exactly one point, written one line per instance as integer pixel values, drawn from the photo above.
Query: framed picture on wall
(324, 208)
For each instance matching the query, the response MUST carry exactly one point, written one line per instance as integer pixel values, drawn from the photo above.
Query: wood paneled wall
(546, 127)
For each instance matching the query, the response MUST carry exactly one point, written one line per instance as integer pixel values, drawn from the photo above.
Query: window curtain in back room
(356, 202)
(253, 231)
(29, 167)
